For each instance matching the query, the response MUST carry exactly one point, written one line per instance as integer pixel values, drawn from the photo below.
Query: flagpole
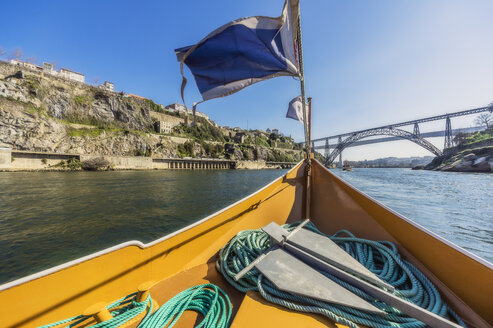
(303, 96)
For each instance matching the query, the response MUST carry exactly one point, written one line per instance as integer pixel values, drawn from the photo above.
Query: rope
(380, 257)
(208, 300)
(123, 310)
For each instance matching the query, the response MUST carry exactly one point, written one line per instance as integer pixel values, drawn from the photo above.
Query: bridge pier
(448, 134)
(327, 149)
(340, 153)
(416, 130)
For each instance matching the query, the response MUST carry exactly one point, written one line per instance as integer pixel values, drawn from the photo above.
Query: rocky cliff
(468, 156)
(45, 113)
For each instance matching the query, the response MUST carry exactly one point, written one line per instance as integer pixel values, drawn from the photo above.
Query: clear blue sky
(367, 63)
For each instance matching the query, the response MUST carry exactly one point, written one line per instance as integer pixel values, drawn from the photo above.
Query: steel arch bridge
(389, 131)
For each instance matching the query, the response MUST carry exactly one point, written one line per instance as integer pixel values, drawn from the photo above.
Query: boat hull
(463, 279)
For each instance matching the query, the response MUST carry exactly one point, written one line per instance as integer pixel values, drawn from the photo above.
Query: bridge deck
(422, 120)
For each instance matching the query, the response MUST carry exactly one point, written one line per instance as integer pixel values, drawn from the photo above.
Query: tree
(461, 137)
(16, 54)
(32, 59)
(484, 119)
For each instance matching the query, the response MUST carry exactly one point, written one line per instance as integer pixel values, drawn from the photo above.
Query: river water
(457, 206)
(49, 218)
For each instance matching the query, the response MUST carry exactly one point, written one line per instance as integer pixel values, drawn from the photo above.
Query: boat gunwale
(416, 224)
(137, 243)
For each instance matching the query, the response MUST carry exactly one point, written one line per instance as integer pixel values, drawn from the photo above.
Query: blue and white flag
(243, 52)
(295, 110)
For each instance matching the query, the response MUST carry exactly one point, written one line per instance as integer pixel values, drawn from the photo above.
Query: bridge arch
(389, 131)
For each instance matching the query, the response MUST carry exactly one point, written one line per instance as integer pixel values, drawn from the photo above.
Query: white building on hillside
(162, 127)
(25, 64)
(200, 114)
(30, 65)
(177, 108)
(64, 72)
(107, 86)
(71, 75)
(48, 68)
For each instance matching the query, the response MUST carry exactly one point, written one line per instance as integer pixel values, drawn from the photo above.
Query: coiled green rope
(208, 299)
(380, 257)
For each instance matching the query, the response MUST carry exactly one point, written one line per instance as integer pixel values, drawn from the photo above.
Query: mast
(306, 123)
(308, 198)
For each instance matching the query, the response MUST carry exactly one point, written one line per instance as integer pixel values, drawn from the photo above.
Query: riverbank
(16, 160)
(466, 157)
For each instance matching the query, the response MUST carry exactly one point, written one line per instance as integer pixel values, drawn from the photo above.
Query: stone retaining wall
(5, 158)
(252, 165)
(31, 161)
(16, 160)
(123, 162)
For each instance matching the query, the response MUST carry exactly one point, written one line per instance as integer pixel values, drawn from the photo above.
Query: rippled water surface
(457, 206)
(49, 218)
